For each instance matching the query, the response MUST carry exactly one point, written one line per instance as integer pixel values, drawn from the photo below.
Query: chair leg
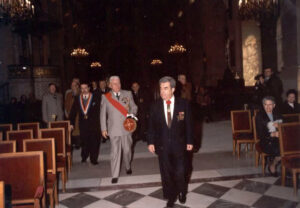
(51, 198)
(256, 158)
(283, 175)
(234, 146)
(238, 150)
(295, 181)
(69, 163)
(56, 193)
(63, 179)
(263, 164)
(251, 146)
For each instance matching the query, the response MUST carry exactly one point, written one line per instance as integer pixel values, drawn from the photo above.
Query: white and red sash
(85, 108)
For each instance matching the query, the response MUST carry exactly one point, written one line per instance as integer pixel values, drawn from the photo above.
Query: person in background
(52, 105)
(22, 108)
(259, 90)
(13, 112)
(274, 86)
(290, 105)
(69, 100)
(184, 88)
(103, 86)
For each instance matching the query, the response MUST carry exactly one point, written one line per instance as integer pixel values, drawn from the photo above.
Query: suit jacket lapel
(162, 112)
(175, 112)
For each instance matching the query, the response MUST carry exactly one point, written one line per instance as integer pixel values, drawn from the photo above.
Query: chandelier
(258, 9)
(16, 10)
(79, 52)
(95, 64)
(177, 49)
(156, 62)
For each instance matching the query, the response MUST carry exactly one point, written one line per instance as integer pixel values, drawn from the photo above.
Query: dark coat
(92, 123)
(180, 132)
(287, 109)
(274, 88)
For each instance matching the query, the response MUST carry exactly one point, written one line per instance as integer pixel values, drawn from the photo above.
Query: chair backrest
(59, 136)
(2, 195)
(4, 128)
(8, 146)
(288, 118)
(19, 136)
(24, 173)
(241, 121)
(1, 136)
(35, 127)
(45, 145)
(62, 124)
(256, 139)
(289, 137)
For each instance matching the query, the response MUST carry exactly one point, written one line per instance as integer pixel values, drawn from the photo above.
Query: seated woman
(266, 126)
(290, 106)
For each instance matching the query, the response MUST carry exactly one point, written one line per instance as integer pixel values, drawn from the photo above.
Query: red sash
(116, 104)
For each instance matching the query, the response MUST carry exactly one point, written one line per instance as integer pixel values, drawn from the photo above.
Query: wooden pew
(24, 173)
(289, 118)
(34, 126)
(4, 128)
(48, 147)
(19, 136)
(66, 125)
(242, 132)
(8, 146)
(2, 195)
(60, 146)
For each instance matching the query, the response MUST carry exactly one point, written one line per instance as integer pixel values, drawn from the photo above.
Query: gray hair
(268, 98)
(168, 79)
(113, 77)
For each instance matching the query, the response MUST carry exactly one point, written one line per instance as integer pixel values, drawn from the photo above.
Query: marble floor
(218, 179)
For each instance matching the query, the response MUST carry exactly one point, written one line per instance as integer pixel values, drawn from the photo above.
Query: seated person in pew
(267, 122)
(290, 105)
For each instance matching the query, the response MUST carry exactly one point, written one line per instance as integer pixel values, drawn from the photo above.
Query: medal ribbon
(116, 104)
(86, 108)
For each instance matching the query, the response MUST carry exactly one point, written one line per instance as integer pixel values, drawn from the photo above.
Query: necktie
(169, 113)
(118, 96)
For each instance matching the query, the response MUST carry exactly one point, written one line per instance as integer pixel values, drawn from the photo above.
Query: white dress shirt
(171, 108)
(291, 104)
(86, 96)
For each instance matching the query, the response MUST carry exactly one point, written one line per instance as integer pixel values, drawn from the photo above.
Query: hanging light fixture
(95, 65)
(79, 52)
(15, 10)
(156, 62)
(177, 49)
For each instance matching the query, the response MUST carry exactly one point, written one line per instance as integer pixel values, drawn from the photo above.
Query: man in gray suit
(52, 105)
(112, 119)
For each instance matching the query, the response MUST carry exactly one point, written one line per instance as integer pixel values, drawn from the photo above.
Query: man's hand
(275, 124)
(189, 147)
(151, 148)
(104, 134)
(275, 134)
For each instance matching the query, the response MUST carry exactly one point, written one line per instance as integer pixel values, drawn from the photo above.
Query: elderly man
(112, 117)
(170, 136)
(52, 105)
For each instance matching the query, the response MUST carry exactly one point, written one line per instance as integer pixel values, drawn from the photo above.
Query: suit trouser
(90, 145)
(173, 173)
(120, 144)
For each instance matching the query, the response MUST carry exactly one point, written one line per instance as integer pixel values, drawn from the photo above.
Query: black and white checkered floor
(259, 192)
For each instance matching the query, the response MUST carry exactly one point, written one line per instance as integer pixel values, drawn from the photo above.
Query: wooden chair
(66, 125)
(4, 128)
(258, 150)
(2, 195)
(48, 147)
(60, 146)
(19, 136)
(1, 136)
(35, 127)
(241, 129)
(289, 138)
(8, 146)
(288, 118)
(24, 173)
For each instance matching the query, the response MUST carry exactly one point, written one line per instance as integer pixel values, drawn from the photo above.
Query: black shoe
(182, 198)
(129, 172)
(114, 180)
(170, 203)
(83, 160)
(95, 163)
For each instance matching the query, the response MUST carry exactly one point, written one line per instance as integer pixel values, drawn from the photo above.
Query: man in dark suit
(170, 136)
(273, 85)
(88, 107)
(290, 106)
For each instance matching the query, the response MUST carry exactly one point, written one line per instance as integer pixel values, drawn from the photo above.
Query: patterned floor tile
(268, 201)
(158, 194)
(79, 200)
(211, 190)
(241, 197)
(124, 197)
(226, 204)
(198, 200)
(253, 186)
(147, 202)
